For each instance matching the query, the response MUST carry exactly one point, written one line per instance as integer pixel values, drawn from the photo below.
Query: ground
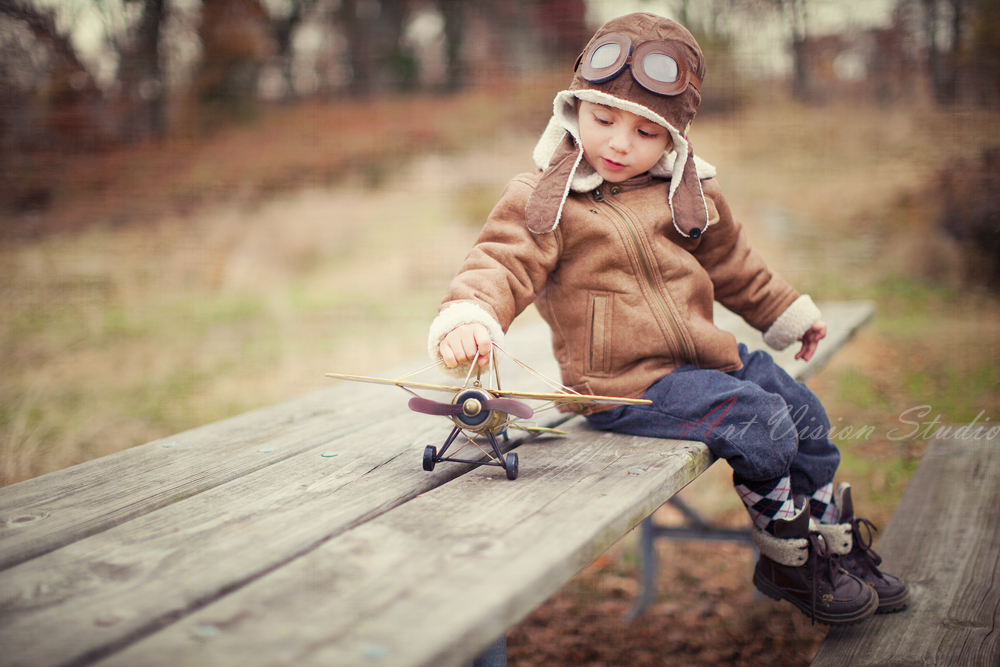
(707, 611)
(169, 286)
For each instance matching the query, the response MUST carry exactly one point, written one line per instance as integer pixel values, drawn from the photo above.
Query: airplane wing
(559, 398)
(397, 382)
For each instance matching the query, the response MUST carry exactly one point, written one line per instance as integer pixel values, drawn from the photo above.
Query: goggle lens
(658, 66)
(605, 56)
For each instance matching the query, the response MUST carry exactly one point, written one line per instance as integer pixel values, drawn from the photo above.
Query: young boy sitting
(623, 240)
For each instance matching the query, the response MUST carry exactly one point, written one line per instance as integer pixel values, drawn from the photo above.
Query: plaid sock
(766, 501)
(821, 505)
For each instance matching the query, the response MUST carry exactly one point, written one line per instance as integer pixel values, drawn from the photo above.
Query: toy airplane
(485, 411)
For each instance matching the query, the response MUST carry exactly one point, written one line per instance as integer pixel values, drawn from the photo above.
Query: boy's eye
(602, 121)
(648, 135)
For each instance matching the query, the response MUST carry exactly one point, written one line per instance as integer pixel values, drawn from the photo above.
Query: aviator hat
(647, 65)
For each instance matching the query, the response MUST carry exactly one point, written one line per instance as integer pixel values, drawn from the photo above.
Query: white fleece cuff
(791, 552)
(838, 536)
(792, 323)
(454, 316)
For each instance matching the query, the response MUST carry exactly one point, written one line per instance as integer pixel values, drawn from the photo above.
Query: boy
(623, 240)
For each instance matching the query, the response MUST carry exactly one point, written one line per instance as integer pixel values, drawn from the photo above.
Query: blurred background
(205, 205)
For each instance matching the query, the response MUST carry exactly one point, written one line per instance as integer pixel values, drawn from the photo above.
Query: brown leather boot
(796, 564)
(858, 557)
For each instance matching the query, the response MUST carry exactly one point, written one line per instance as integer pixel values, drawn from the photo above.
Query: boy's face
(619, 144)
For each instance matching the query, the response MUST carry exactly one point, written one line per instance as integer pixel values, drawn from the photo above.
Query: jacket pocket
(600, 318)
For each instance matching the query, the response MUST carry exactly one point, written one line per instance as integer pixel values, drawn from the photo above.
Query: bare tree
(961, 41)
(794, 13)
(52, 97)
(377, 57)
(237, 40)
(140, 74)
(284, 30)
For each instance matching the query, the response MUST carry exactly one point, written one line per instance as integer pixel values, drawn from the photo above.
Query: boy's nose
(619, 142)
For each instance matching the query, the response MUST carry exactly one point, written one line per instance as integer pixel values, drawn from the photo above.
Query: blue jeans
(763, 422)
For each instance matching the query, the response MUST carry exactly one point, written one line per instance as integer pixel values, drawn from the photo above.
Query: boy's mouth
(612, 165)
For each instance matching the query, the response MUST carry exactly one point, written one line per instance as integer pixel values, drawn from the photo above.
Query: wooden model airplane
(485, 411)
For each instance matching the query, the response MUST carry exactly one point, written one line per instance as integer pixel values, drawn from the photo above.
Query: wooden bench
(944, 540)
(307, 533)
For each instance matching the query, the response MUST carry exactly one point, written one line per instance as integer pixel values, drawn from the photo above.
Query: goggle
(659, 67)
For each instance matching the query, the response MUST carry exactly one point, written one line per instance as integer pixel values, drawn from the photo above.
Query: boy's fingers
(484, 344)
(448, 355)
(466, 343)
(470, 349)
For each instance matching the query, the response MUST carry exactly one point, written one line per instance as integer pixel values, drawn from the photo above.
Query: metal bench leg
(695, 527)
(494, 656)
(647, 570)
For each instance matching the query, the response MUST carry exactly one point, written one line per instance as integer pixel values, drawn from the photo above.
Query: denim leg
(817, 458)
(745, 417)
(727, 414)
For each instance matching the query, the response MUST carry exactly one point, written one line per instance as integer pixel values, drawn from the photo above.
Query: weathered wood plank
(82, 601)
(168, 536)
(436, 580)
(43, 514)
(944, 540)
(394, 571)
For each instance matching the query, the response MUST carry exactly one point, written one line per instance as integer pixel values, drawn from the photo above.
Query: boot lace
(862, 554)
(823, 562)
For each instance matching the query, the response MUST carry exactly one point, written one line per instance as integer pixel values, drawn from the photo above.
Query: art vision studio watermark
(917, 423)
(920, 428)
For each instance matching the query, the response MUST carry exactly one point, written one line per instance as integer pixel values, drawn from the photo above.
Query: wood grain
(944, 540)
(144, 548)
(83, 600)
(43, 514)
(436, 580)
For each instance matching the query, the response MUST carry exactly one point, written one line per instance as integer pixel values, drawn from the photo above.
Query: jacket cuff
(453, 316)
(792, 323)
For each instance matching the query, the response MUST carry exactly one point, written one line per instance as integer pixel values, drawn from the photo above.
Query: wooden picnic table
(307, 533)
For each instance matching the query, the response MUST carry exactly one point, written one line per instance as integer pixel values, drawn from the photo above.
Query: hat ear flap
(545, 205)
(687, 200)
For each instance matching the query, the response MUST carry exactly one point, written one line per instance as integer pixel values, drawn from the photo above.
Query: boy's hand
(464, 344)
(810, 340)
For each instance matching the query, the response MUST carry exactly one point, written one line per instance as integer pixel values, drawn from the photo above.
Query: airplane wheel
(511, 466)
(430, 454)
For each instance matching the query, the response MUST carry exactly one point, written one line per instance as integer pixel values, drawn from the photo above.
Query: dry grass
(194, 292)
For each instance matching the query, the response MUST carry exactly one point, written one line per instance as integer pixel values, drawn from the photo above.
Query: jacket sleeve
(744, 284)
(502, 275)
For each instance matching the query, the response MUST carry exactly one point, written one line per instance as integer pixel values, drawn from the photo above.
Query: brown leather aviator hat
(647, 65)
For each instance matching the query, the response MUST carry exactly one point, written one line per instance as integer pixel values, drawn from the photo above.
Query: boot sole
(775, 593)
(888, 606)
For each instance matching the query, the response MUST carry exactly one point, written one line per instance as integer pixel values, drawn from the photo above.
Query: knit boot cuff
(792, 552)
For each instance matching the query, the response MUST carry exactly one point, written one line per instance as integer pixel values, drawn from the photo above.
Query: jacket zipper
(648, 274)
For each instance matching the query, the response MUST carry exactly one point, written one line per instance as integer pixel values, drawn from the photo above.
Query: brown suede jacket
(627, 297)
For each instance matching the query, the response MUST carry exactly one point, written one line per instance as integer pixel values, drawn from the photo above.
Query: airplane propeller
(471, 407)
